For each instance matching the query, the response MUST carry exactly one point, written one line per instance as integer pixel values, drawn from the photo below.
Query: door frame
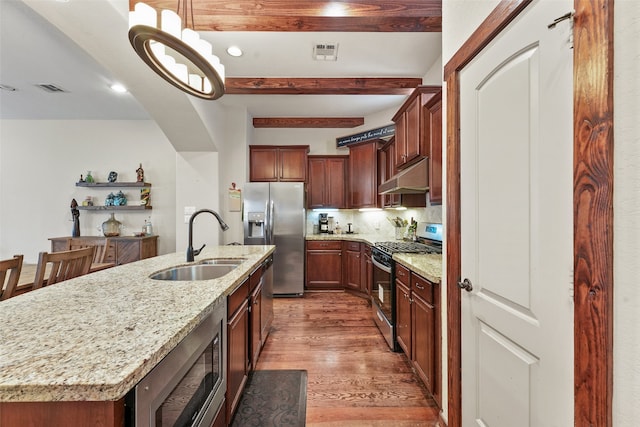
(592, 201)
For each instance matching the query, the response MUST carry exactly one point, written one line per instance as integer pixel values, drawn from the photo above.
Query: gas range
(383, 251)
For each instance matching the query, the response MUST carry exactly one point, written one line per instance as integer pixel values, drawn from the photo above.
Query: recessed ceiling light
(234, 51)
(117, 87)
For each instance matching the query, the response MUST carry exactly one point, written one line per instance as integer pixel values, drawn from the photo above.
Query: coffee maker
(323, 223)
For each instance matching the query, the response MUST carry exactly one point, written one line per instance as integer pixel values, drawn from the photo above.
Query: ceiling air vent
(48, 87)
(325, 51)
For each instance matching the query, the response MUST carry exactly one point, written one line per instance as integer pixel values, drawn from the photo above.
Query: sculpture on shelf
(140, 173)
(75, 214)
(113, 176)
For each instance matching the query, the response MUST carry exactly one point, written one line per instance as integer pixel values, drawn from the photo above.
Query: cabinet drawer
(422, 287)
(353, 246)
(238, 296)
(324, 244)
(402, 274)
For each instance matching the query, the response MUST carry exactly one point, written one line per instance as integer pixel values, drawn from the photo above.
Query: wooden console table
(123, 250)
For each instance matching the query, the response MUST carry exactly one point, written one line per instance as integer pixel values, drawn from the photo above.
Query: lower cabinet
(323, 264)
(418, 326)
(351, 267)
(255, 309)
(367, 269)
(237, 346)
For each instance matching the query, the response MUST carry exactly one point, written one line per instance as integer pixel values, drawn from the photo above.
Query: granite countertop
(95, 337)
(429, 266)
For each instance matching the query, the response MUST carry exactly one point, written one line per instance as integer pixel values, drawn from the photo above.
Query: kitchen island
(93, 338)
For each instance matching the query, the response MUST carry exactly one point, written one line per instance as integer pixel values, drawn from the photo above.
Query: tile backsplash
(374, 222)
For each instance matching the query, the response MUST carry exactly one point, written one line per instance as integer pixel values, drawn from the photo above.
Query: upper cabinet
(272, 163)
(363, 175)
(327, 182)
(433, 125)
(411, 143)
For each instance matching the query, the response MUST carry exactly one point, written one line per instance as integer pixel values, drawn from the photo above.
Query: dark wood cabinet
(363, 175)
(352, 266)
(367, 269)
(433, 124)
(271, 163)
(403, 309)
(418, 326)
(323, 264)
(327, 182)
(237, 346)
(123, 249)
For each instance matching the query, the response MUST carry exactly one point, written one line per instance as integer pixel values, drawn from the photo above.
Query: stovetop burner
(408, 247)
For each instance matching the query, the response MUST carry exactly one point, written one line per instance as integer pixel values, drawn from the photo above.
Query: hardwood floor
(353, 377)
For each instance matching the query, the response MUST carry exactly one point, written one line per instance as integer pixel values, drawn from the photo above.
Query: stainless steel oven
(187, 387)
(383, 295)
(383, 290)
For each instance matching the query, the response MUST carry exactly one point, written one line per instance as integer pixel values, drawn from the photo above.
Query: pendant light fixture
(178, 55)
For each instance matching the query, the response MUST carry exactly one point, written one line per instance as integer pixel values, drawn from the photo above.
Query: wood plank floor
(353, 377)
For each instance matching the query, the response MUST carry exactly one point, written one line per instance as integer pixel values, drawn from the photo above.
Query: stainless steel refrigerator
(274, 214)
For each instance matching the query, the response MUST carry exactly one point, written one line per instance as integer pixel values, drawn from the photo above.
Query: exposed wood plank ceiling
(301, 16)
(307, 122)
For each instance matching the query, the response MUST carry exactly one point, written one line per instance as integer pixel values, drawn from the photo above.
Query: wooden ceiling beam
(320, 86)
(295, 15)
(307, 122)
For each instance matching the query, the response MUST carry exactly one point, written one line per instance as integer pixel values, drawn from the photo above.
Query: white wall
(626, 348)
(40, 162)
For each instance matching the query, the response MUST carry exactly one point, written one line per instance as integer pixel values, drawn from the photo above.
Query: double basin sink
(204, 270)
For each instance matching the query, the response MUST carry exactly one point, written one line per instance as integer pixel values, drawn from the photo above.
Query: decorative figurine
(75, 214)
(113, 176)
(120, 199)
(81, 178)
(109, 201)
(89, 179)
(140, 173)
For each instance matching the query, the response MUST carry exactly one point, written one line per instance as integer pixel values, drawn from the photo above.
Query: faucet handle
(196, 252)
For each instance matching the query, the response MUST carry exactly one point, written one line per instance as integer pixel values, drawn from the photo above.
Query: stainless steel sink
(223, 261)
(194, 272)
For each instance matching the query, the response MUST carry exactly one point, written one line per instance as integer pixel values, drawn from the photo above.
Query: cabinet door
(363, 176)
(316, 188)
(352, 267)
(256, 322)
(424, 339)
(127, 251)
(292, 164)
(403, 317)
(400, 152)
(434, 133)
(413, 131)
(336, 180)
(367, 270)
(324, 267)
(263, 164)
(237, 356)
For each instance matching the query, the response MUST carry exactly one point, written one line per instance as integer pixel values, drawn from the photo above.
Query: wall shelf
(115, 208)
(113, 184)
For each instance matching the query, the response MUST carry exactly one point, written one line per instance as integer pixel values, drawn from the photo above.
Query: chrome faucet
(191, 253)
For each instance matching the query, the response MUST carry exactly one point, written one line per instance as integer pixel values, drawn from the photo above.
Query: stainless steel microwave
(187, 387)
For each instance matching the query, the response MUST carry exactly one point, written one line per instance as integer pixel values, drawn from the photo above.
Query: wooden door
(256, 324)
(336, 181)
(516, 222)
(414, 132)
(352, 265)
(403, 318)
(433, 132)
(238, 356)
(316, 187)
(263, 164)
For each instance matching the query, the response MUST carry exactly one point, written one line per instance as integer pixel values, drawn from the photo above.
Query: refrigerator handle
(270, 242)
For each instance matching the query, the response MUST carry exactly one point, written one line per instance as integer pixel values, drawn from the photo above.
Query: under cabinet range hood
(412, 180)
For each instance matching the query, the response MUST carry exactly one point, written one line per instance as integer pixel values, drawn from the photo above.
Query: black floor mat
(273, 398)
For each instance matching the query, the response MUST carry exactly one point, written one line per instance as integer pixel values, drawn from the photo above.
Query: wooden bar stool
(65, 265)
(13, 267)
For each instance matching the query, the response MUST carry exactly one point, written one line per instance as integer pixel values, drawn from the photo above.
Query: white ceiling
(35, 50)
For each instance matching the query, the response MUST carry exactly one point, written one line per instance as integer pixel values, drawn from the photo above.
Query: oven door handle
(381, 266)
